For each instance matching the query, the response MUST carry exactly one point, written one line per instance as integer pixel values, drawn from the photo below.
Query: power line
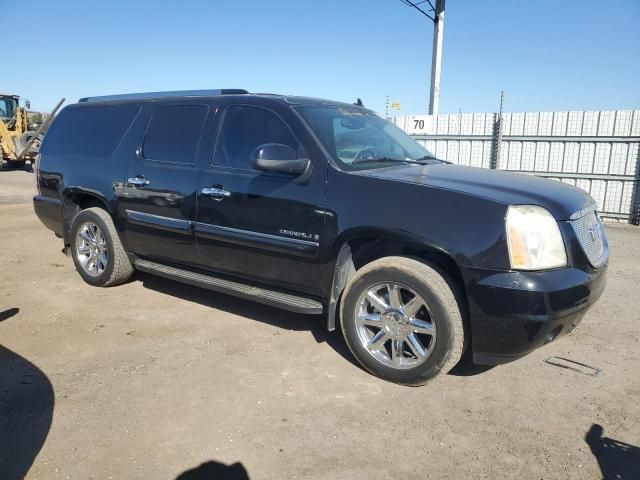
(436, 59)
(409, 3)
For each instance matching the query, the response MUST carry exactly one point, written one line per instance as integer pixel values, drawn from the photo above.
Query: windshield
(7, 107)
(358, 139)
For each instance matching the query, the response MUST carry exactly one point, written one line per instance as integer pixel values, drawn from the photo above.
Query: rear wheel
(11, 164)
(401, 320)
(98, 254)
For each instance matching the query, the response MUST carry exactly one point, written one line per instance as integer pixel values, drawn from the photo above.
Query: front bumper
(513, 313)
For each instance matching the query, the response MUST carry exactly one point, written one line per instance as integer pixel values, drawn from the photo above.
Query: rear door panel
(159, 215)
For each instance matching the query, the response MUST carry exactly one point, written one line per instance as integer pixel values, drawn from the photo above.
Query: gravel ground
(153, 379)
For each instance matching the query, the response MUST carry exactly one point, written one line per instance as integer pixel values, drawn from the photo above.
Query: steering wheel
(364, 155)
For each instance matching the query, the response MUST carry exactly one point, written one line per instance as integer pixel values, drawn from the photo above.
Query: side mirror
(275, 157)
(27, 104)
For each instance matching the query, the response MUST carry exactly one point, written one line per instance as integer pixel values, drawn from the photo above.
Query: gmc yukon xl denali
(322, 207)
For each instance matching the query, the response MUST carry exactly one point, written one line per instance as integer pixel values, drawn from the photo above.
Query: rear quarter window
(89, 131)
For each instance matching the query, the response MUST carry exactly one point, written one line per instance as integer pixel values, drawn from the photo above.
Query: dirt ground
(151, 379)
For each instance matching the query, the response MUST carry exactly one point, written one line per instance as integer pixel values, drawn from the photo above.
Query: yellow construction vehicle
(18, 144)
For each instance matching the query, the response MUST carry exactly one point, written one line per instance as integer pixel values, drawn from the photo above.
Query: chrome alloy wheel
(395, 326)
(91, 249)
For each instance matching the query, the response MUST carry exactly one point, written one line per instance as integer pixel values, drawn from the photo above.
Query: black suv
(322, 207)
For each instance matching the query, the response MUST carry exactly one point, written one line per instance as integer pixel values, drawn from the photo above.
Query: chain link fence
(596, 151)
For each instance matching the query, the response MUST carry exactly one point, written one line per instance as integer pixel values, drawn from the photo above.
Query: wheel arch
(361, 247)
(74, 200)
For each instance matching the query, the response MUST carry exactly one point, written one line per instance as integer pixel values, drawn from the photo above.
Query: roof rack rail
(176, 93)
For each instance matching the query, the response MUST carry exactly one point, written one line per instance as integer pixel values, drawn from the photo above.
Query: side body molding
(294, 246)
(162, 223)
(264, 241)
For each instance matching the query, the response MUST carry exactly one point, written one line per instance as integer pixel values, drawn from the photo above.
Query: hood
(507, 188)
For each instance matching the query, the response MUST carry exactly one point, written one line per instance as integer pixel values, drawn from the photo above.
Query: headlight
(534, 239)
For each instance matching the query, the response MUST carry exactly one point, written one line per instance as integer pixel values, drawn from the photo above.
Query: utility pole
(436, 58)
(494, 161)
(437, 17)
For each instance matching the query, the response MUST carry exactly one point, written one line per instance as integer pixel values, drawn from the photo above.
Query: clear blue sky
(546, 55)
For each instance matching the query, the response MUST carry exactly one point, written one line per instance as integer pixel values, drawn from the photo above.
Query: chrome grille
(591, 236)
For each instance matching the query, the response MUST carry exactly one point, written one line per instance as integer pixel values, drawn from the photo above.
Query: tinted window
(174, 132)
(89, 132)
(243, 129)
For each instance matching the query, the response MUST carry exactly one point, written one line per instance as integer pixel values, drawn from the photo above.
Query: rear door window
(243, 129)
(89, 131)
(174, 132)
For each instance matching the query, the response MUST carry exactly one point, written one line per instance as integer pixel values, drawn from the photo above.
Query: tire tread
(122, 268)
(439, 282)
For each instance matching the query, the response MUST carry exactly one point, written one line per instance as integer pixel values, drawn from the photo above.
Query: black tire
(23, 140)
(15, 165)
(118, 268)
(437, 291)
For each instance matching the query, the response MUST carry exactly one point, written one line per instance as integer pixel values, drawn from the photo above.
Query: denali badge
(303, 235)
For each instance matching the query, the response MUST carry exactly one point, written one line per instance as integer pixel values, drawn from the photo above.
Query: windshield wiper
(426, 160)
(389, 159)
(432, 157)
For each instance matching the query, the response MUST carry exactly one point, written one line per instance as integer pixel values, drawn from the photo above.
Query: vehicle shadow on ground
(466, 367)
(315, 324)
(26, 410)
(617, 460)
(213, 470)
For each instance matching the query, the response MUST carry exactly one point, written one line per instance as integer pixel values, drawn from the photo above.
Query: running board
(285, 301)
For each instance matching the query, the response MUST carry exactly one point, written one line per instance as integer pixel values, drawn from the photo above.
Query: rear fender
(76, 199)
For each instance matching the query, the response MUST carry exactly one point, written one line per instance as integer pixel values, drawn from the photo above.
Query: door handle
(217, 193)
(138, 181)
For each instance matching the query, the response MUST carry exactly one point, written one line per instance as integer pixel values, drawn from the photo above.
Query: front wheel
(98, 254)
(402, 321)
